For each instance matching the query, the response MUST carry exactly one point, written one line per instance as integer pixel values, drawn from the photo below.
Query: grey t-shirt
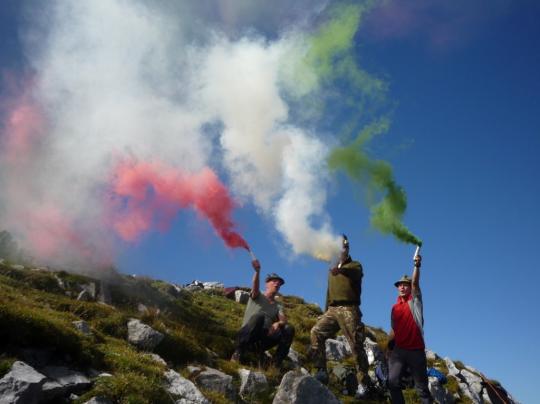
(262, 304)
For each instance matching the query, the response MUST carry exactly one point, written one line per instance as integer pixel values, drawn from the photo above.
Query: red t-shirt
(406, 332)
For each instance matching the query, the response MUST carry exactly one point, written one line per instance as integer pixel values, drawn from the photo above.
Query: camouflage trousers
(348, 319)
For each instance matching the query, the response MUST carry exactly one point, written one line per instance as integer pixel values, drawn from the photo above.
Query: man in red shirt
(407, 348)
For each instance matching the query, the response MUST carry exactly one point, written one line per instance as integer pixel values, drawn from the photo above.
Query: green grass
(199, 328)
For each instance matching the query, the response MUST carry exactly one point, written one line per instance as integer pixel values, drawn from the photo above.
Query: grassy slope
(199, 327)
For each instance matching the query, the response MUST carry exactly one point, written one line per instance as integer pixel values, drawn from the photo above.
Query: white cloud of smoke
(119, 78)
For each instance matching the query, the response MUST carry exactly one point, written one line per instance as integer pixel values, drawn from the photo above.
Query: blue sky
(464, 142)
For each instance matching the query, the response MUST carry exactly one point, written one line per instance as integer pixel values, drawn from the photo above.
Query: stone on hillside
(59, 281)
(104, 295)
(157, 358)
(22, 384)
(185, 389)
(142, 335)
(2, 261)
(468, 392)
(142, 309)
(430, 355)
(17, 266)
(84, 296)
(337, 349)
(194, 286)
(474, 381)
(439, 393)
(214, 380)
(83, 327)
(98, 400)
(91, 289)
(213, 285)
(298, 388)
(251, 383)
(452, 369)
(241, 296)
(294, 357)
(69, 380)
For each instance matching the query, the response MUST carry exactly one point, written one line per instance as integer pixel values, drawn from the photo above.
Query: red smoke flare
(150, 194)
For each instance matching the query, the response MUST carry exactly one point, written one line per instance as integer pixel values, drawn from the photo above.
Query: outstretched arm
(255, 283)
(416, 275)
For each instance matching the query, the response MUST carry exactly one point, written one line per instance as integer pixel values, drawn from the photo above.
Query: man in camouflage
(342, 312)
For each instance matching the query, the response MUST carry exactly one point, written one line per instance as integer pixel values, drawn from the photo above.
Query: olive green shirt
(344, 289)
(262, 304)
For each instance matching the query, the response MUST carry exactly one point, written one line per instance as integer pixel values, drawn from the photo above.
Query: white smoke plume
(121, 78)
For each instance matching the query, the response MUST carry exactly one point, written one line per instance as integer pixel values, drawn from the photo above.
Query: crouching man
(407, 348)
(264, 325)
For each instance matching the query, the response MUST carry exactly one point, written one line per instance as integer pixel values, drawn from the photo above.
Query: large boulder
(466, 391)
(251, 383)
(214, 380)
(183, 388)
(142, 335)
(71, 381)
(299, 388)
(22, 384)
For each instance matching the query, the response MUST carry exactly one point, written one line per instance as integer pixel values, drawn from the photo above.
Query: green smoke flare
(377, 175)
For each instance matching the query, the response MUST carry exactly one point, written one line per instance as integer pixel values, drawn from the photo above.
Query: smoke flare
(148, 194)
(377, 175)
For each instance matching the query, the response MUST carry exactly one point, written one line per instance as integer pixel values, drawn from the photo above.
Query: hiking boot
(322, 376)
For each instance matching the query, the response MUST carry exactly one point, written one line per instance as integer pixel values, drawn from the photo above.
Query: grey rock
(337, 349)
(59, 281)
(98, 400)
(294, 357)
(2, 261)
(22, 384)
(69, 380)
(438, 392)
(16, 266)
(467, 392)
(213, 285)
(157, 358)
(470, 377)
(91, 289)
(452, 369)
(84, 296)
(251, 383)
(184, 389)
(142, 335)
(83, 327)
(298, 388)
(430, 355)
(241, 296)
(104, 295)
(215, 380)
(141, 308)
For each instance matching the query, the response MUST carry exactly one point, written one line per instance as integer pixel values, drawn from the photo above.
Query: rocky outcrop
(142, 335)
(214, 380)
(299, 388)
(183, 389)
(22, 384)
(251, 383)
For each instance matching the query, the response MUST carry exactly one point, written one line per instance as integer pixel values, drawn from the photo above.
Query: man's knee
(288, 331)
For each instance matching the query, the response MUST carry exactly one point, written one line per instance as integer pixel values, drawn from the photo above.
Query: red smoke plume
(150, 194)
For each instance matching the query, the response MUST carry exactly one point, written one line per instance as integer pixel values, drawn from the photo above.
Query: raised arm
(415, 288)
(255, 290)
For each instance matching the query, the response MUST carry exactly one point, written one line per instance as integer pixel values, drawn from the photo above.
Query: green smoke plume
(377, 176)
